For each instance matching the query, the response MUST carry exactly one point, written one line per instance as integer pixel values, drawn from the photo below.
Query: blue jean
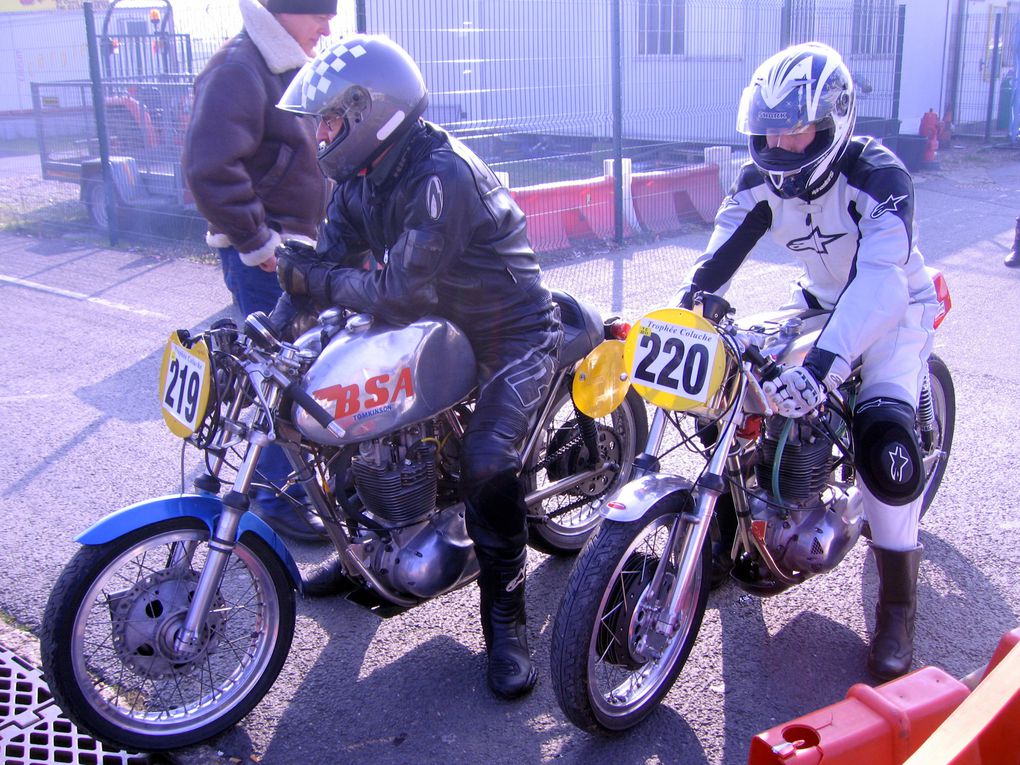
(256, 290)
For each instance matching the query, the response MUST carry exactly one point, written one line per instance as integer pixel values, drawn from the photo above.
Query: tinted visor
(755, 117)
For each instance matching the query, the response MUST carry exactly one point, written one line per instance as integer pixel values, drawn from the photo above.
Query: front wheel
(563, 522)
(108, 637)
(610, 667)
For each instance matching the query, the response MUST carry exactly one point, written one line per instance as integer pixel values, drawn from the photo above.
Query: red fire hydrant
(930, 130)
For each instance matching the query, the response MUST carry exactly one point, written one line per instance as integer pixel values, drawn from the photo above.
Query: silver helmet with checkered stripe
(372, 86)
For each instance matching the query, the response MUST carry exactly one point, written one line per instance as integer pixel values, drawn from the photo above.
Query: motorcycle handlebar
(310, 405)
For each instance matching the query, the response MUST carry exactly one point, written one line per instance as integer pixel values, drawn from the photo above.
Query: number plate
(184, 378)
(675, 359)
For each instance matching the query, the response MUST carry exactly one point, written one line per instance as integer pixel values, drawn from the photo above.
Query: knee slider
(886, 450)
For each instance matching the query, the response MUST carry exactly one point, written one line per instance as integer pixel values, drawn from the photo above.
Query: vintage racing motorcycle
(635, 599)
(175, 616)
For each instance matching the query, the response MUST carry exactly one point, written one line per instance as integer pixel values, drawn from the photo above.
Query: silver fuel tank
(375, 378)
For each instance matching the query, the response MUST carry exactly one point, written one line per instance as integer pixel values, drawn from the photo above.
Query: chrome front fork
(189, 641)
(687, 538)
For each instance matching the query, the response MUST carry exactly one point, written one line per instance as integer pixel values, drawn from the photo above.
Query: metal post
(785, 24)
(901, 17)
(360, 17)
(616, 66)
(993, 74)
(99, 109)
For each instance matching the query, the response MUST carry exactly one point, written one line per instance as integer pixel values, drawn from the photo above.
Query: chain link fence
(546, 91)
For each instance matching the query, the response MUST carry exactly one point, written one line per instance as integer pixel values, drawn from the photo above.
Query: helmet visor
(787, 116)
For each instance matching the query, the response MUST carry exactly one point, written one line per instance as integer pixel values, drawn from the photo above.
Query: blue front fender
(635, 498)
(204, 507)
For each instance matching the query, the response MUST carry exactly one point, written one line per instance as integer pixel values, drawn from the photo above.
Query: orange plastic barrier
(664, 199)
(990, 716)
(924, 718)
(559, 213)
(873, 726)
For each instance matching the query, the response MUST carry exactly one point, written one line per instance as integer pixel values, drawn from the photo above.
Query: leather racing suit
(857, 243)
(431, 231)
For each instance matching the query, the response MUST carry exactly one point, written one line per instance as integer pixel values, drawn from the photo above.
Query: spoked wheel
(937, 442)
(109, 627)
(610, 668)
(565, 520)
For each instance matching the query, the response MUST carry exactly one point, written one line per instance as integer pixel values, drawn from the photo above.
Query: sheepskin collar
(281, 51)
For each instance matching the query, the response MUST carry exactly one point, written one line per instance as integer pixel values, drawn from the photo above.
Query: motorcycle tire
(943, 396)
(602, 682)
(562, 523)
(108, 629)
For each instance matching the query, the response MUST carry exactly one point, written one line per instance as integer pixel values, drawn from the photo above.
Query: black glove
(302, 271)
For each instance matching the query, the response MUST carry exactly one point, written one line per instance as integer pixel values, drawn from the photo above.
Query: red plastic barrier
(560, 213)
(873, 726)
(664, 199)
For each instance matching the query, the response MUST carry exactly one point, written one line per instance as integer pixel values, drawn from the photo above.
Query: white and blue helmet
(806, 84)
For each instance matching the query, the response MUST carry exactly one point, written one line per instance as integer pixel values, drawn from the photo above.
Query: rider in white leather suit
(844, 207)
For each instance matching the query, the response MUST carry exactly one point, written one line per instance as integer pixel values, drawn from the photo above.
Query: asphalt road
(83, 330)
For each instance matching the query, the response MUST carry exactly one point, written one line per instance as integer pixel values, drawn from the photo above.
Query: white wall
(925, 60)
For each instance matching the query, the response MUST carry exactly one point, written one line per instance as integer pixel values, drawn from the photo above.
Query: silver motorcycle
(637, 594)
(175, 616)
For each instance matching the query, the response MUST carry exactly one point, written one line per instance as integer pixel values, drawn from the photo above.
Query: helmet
(370, 83)
(802, 86)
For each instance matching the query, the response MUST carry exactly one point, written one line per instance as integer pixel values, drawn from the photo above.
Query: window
(661, 27)
(873, 30)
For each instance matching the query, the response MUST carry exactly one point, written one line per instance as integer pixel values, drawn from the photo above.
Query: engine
(804, 464)
(811, 519)
(397, 480)
(420, 545)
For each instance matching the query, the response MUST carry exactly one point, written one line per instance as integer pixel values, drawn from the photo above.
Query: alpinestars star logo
(816, 241)
(892, 203)
(898, 463)
(517, 581)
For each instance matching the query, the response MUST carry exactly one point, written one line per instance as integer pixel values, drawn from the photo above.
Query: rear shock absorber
(926, 414)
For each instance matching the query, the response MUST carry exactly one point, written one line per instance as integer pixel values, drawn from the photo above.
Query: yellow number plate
(184, 379)
(675, 359)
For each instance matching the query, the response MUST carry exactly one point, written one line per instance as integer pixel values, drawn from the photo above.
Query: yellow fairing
(601, 381)
(184, 380)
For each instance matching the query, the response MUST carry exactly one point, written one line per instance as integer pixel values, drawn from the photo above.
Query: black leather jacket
(451, 240)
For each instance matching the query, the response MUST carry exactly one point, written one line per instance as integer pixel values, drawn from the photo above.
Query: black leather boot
(892, 647)
(1012, 260)
(511, 673)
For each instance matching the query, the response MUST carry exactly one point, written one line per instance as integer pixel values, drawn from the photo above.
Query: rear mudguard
(204, 507)
(632, 500)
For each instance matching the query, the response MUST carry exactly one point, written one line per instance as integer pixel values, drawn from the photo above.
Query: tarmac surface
(83, 329)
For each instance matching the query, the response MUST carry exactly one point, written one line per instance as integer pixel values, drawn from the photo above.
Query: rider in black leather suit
(419, 225)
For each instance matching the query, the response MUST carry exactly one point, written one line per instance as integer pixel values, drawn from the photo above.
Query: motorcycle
(174, 618)
(635, 599)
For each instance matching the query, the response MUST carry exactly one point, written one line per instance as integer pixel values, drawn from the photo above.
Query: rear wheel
(109, 627)
(610, 667)
(563, 522)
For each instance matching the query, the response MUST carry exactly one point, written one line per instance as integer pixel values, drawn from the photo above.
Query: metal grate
(33, 730)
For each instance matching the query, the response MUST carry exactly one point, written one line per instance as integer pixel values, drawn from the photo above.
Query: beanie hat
(301, 6)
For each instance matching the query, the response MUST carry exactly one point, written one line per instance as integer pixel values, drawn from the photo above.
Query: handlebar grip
(770, 370)
(310, 405)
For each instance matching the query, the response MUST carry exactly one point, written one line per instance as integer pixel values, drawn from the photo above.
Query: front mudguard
(204, 507)
(635, 498)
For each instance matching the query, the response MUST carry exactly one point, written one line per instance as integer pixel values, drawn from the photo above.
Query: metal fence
(546, 91)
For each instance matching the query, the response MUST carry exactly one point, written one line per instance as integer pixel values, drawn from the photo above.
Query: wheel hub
(576, 459)
(149, 616)
(633, 617)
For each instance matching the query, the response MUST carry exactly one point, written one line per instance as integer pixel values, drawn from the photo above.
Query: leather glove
(301, 271)
(798, 390)
(795, 392)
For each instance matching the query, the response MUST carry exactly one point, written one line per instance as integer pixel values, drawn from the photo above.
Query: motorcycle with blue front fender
(769, 500)
(175, 616)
